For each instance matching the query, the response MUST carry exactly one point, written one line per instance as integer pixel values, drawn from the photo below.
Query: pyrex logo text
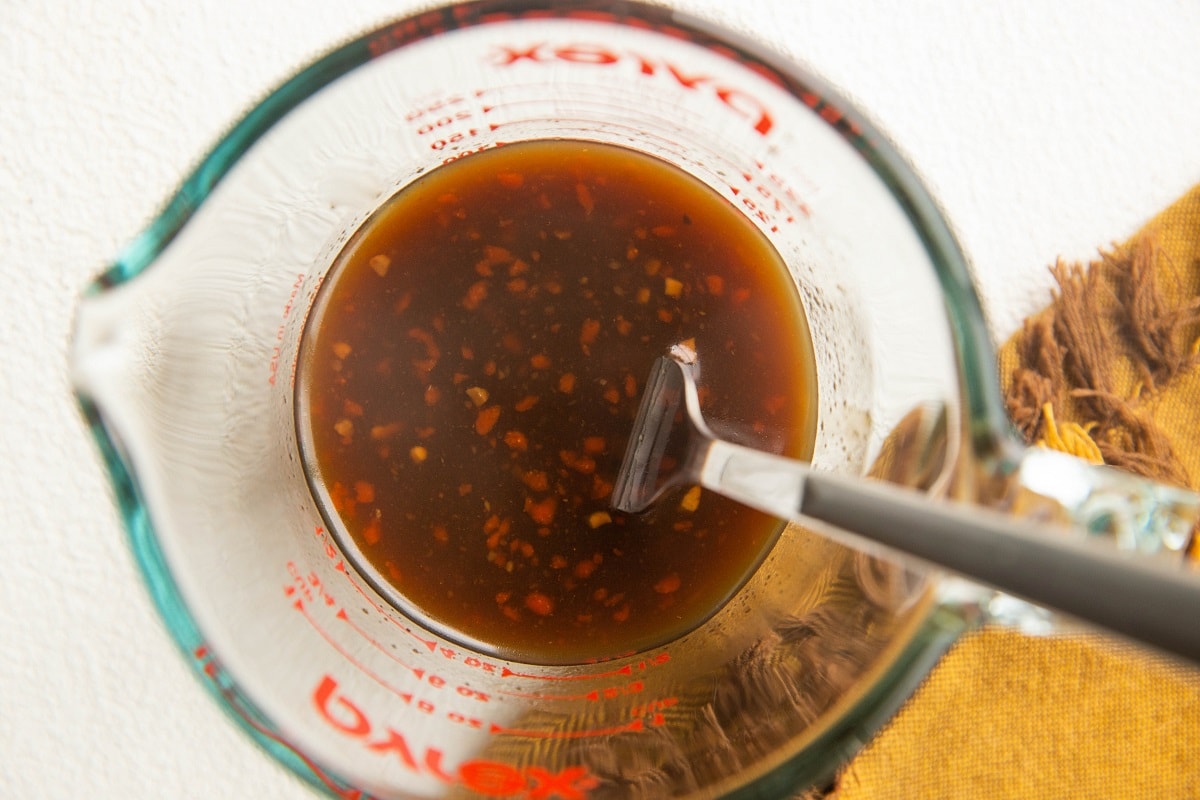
(490, 778)
(740, 101)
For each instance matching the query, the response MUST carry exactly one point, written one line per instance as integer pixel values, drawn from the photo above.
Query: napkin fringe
(1065, 347)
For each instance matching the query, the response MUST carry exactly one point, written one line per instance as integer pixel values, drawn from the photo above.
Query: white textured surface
(1043, 131)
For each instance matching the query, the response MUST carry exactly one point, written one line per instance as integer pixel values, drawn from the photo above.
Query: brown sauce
(471, 372)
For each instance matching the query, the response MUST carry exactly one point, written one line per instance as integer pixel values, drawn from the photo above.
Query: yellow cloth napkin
(1110, 370)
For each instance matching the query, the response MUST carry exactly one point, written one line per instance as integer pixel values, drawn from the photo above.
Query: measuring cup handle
(1142, 597)
(1133, 514)
(1118, 582)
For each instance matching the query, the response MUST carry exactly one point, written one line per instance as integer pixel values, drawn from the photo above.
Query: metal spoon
(1148, 601)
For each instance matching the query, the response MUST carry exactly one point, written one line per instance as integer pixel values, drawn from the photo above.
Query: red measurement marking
(340, 565)
(344, 617)
(594, 696)
(654, 707)
(737, 100)
(630, 727)
(505, 672)
(405, 696)
(628, 669)
(482, 777)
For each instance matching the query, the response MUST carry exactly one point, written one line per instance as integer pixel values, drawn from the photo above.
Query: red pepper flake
(715, 285)
(424, 366)
(539, 604)
(740, 296)
(584, 196)
(492, 257)
(594, 445)
(516, 441)
(668, 583)
(663, 231)
(426, 338)
(541, 511)
(621, 614)
(558, 562)
(775, 403)
(511, 180)
(624, 326)
(584, 569)
(511, 613)
(601, 488)
(440, 534)
(511, 342)
(486, 419)
(566, 382)
(476, 294)
(373, 532)
(536, 480)
(527, 402)
(540, 361)
(585, 465)
(343, 501)
(432, 395)
(364, 492)
(402, 304)
(589, 331)
(381, 432)
(612, 394)
(631, 387)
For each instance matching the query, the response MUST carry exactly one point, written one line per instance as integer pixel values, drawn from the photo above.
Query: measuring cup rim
(976, 361)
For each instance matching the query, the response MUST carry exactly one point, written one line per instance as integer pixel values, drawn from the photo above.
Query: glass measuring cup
(183, 362)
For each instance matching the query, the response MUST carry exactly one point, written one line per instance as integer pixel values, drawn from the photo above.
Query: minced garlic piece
(691, 500)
